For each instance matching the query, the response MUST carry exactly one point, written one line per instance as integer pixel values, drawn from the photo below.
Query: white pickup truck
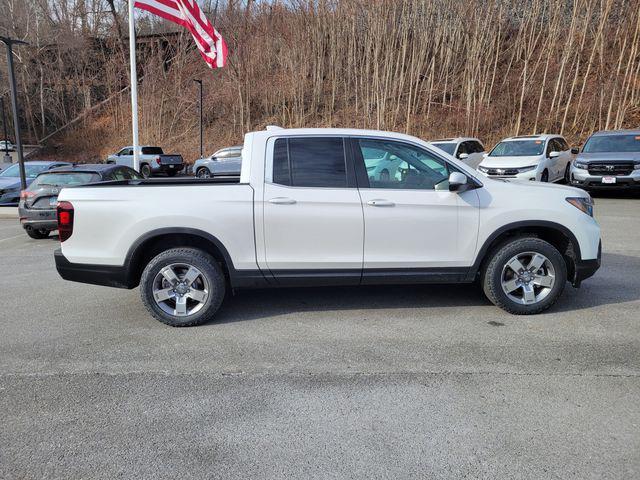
(306, 212)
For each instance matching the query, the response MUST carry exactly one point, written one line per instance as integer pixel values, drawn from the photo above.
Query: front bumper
(106, 275)
(530, 175)
(586, 268)
(583, 179)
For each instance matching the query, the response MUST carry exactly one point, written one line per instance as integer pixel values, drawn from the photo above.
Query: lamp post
(9, 42)
(7, 157)
(199, 82)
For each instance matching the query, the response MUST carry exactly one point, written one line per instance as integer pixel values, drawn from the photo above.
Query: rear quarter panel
(109, 220)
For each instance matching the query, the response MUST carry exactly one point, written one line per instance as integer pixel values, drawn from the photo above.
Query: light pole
(9, 42)
(199, 82)
(7, 157)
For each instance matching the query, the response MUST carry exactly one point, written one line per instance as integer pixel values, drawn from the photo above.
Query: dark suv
(37, 207)
(609, 159)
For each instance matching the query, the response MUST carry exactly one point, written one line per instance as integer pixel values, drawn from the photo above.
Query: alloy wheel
(180, 289)
(528, 278)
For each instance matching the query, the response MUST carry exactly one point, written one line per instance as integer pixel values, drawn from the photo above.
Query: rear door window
(310, 162)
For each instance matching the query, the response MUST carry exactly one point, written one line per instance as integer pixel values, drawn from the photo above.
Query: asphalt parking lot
(388, 382)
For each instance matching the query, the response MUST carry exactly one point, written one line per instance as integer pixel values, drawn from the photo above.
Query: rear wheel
(203, 172)
(38, 233)
(183, 287)
(525, 276)
(145, 170)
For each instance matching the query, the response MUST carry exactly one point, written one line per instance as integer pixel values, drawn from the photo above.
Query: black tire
(203, 172)
(145, 170)
(491, 276)
(208, 267)
(38, 233)
(545, 176)
(567, 174)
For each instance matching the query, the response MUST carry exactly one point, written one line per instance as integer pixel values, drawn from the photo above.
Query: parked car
(298, 213)
(545, 158)
(152, 160)
(609, 159)
(226, 161)
(10, 179)
(469, 150)
(6, 145)
(37, 207)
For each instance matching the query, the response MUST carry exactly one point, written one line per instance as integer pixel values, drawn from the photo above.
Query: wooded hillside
(433, 68)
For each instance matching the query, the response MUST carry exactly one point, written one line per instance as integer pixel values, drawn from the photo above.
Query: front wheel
(525, 276)
(203, 172)
(567, 174)
(183, 287)
(545, 176)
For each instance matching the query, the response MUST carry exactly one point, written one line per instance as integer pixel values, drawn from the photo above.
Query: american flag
(187, 13)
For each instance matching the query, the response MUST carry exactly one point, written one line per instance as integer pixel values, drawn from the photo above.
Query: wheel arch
(156, 241)
(554, 233)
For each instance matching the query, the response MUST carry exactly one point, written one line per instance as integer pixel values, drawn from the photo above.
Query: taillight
(24, 194)
(65, 220)
(158, 160)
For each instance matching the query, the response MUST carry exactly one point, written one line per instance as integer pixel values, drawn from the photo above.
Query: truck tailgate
(170, 159)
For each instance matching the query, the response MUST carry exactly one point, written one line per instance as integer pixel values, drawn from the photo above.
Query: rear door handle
(282, 201)
(380, 203)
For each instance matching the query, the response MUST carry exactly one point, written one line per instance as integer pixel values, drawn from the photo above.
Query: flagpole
(134, 86)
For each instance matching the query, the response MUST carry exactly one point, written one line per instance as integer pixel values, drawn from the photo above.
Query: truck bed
(226, 180)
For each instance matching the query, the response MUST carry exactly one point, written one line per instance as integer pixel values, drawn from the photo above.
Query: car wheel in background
(145, 170)
(183, 287)
(37, 233)
(203, 172)
(567, 174)
(524, 276)
(545, 176)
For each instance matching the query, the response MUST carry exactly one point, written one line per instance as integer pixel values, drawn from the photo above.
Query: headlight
(483, 169)
(636, 166)
(526, 169)
(584, 204)
(581, 165)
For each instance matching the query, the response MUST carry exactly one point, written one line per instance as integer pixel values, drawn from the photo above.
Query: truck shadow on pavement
(616, 282)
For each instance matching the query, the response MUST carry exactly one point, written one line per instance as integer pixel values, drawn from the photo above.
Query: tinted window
(310, 162)
(445, 147)
(612, 143)
(398, 165)
(151, 151)
(60, 179)
(477, 147)
(518, 148)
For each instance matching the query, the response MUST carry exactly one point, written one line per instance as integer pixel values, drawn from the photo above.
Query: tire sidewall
(203, 262)
(493, 274)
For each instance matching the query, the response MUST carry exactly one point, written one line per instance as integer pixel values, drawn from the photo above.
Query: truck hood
(510, 162)
(536, 188)
(609, 157)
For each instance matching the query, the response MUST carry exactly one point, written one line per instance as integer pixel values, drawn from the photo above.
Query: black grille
(503, 171)
(610, 168)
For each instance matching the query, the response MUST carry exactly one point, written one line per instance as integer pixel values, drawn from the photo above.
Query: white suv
(545, 158)
(469, 150)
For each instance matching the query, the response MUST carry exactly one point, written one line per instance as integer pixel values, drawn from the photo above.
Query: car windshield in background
(518, 148)
(151, 151)
(31, 171)
(446, 147)
(612, 143)
(64, 179)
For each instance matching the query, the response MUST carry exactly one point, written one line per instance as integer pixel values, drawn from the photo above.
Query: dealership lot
(384, 382)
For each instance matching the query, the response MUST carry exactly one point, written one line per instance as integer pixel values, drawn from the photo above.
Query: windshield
(612, 143)
(31, 171)
(518, 148)
(64, 179)
(446, 147)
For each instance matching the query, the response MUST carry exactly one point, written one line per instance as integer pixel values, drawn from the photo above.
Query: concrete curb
(9, 213)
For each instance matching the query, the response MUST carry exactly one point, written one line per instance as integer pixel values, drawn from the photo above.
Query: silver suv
(226, 161)
(609, 159)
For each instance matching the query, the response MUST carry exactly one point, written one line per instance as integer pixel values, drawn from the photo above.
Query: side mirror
(456, 181)
(485, 154)
(575, 150)
(554, 154)
(463, 156)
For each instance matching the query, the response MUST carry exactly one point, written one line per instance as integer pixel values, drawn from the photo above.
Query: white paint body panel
(325, 228)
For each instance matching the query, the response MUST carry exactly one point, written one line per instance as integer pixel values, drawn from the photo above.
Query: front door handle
(380, 203)
(282, 201)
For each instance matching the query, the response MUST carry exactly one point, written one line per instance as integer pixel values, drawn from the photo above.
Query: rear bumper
(106, 275)
(38, 218)
(168, 168)
(586, 268)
